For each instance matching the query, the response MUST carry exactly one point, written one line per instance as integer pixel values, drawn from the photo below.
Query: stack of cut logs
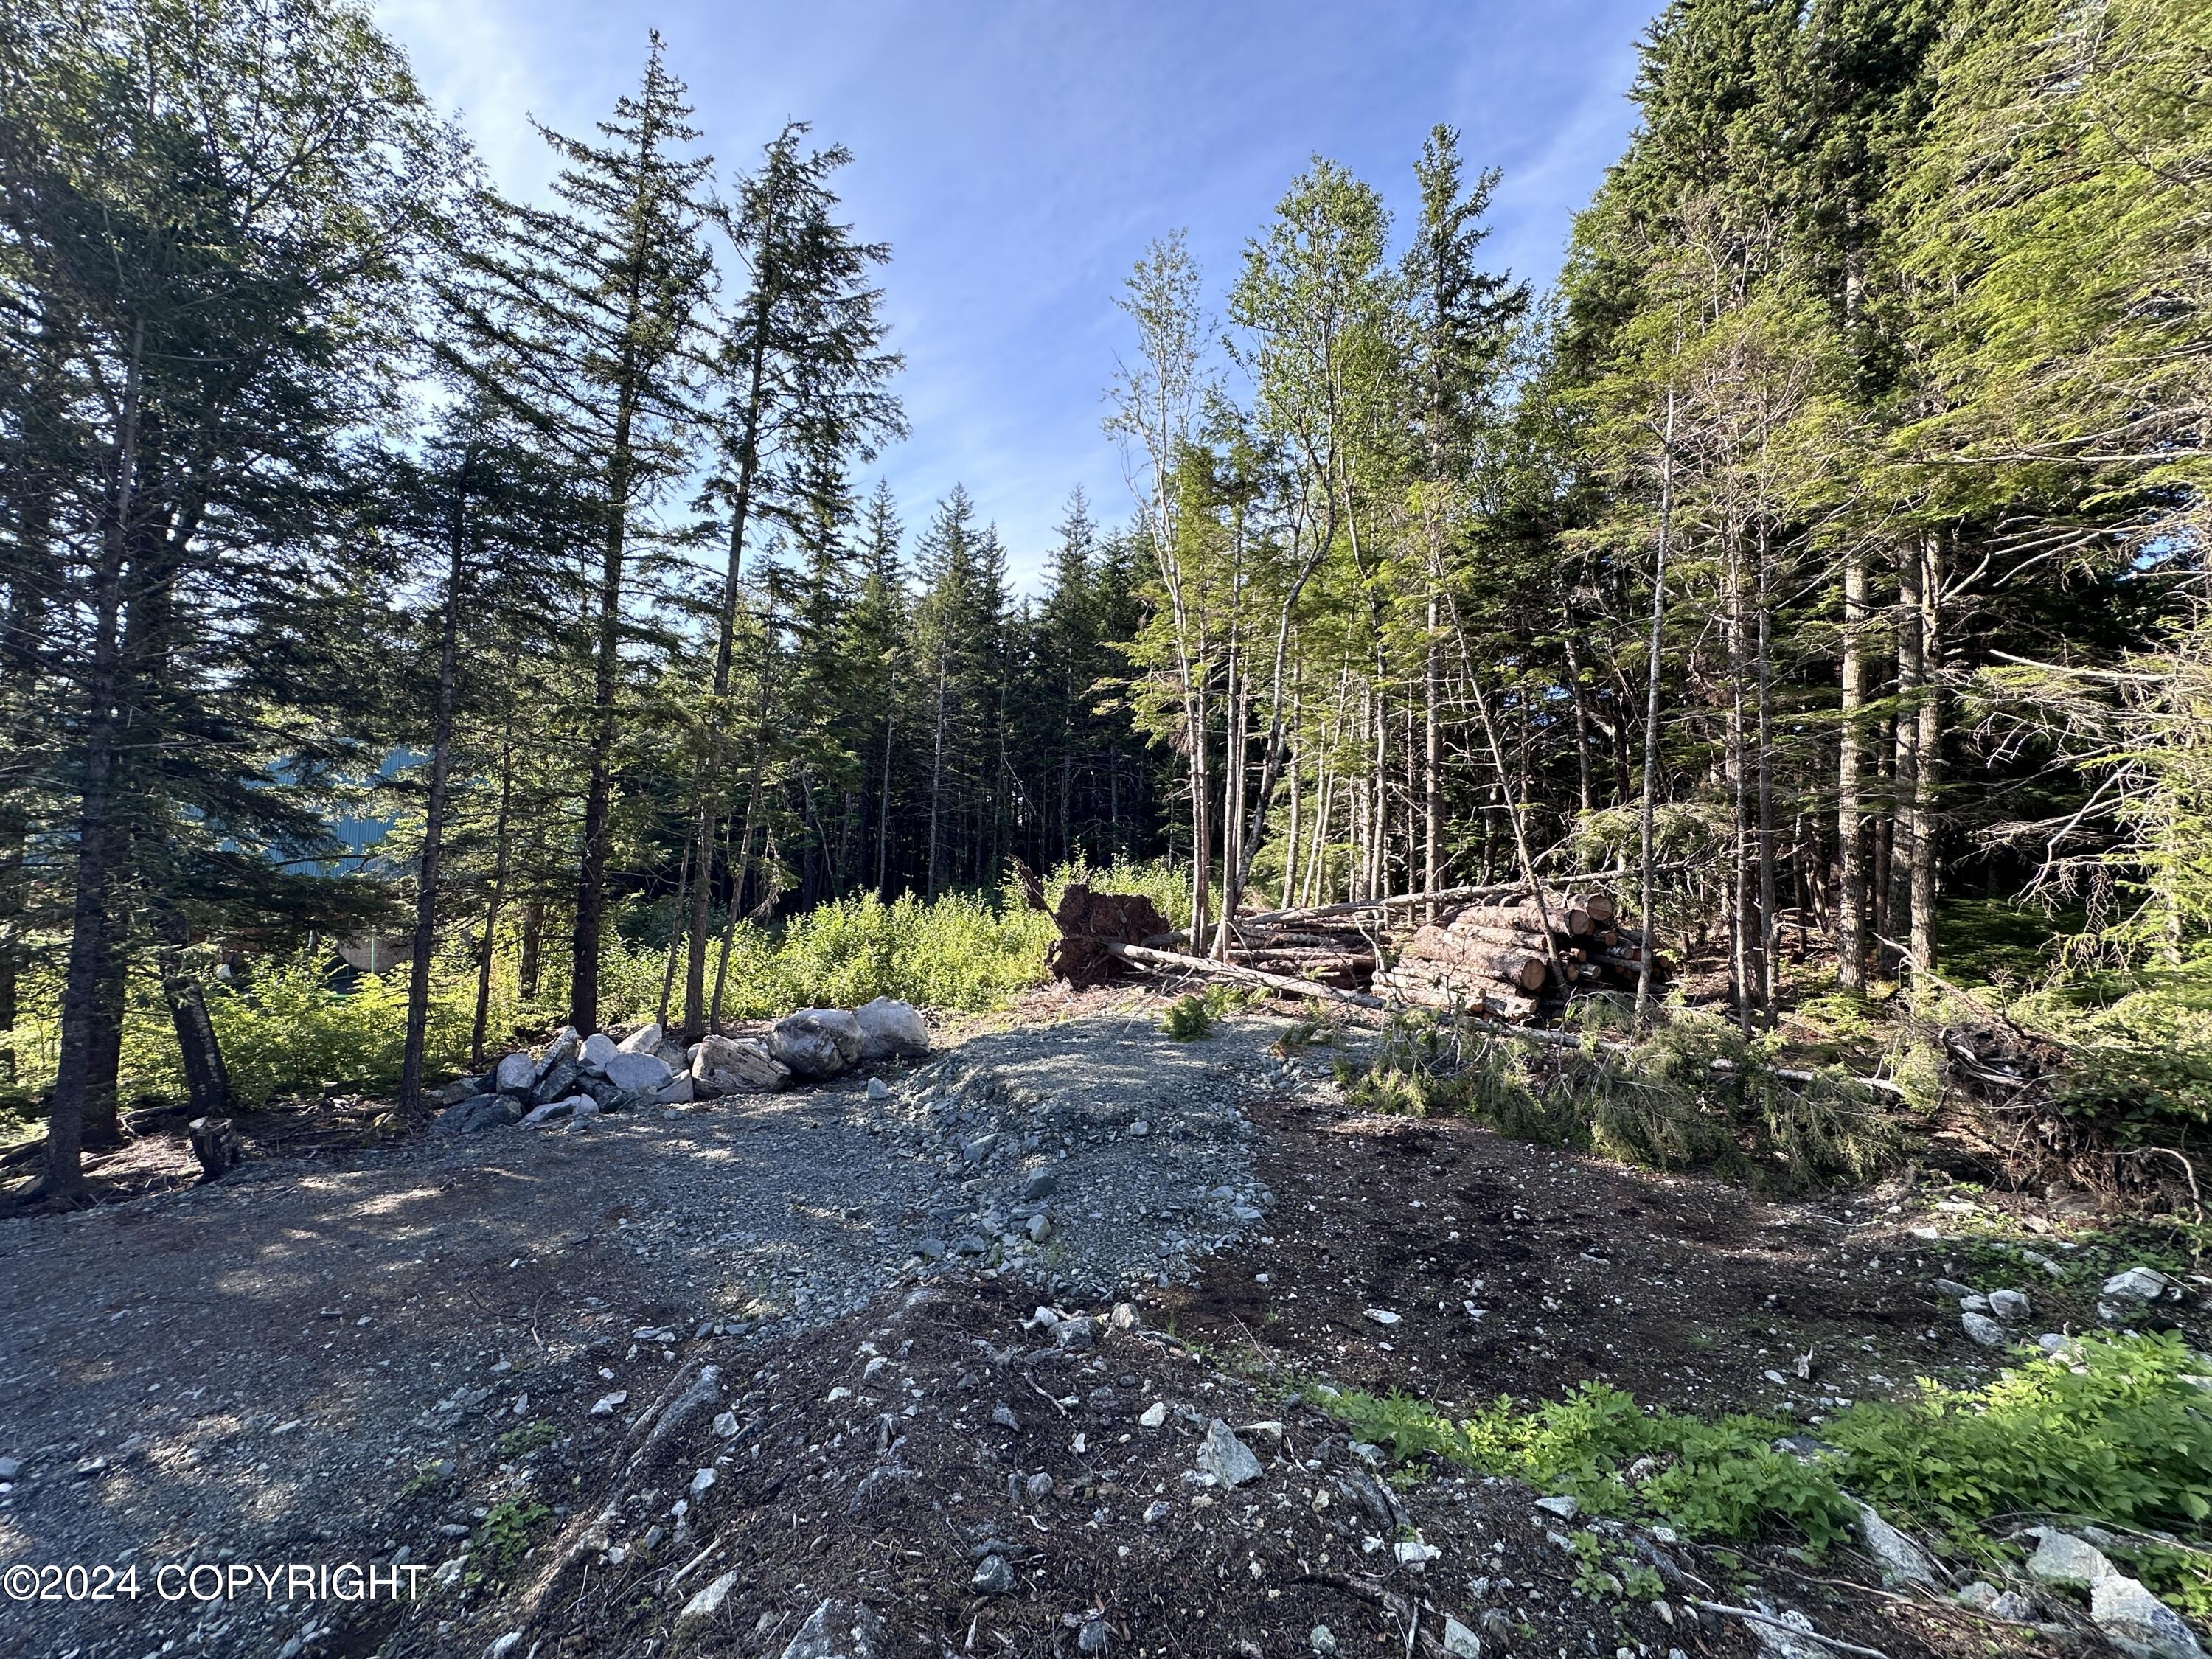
(1518, 958)
(1497, 951)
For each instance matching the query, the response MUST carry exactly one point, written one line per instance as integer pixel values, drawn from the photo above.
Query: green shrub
(2116, 1430)
(1187, 1019)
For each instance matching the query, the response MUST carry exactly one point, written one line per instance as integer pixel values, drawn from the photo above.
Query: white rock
(2063, 1559)
(726, 1426)
(1153, 1415)
(608, 1404)
(598, 1049)
(708, 1602)
(644, 1040)
(515, 1073)
(634, 1071)
(735, 1066)
(504, 1645)
(701, 1480)
(1901, 1560)
(1412, 1555)
(2128, 1612)
(1381, 1316)
(878, 1090)
(1459, 1641)
(891, 1030)
(1565, 1508)
(551, 1109)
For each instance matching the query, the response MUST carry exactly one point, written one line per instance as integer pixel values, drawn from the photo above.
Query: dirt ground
(575, 1384)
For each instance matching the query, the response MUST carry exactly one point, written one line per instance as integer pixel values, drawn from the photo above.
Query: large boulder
(635, 1071)
(815, 1042)
(598, 1049)
(735, 1066)
(891, 1030)
(646, 1040)
(515, 1074)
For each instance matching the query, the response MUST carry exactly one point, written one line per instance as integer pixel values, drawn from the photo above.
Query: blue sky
(1018, 156)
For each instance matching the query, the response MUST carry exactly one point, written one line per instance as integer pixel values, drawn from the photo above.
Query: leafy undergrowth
(1697, 1095)
(2115, 1430)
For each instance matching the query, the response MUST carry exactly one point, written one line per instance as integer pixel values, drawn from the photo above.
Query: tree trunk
(85, 969)
(1906, 789)
(1928, 754)
(1852, 895)
(598, 797)
(1647, 808)
(529, 969)
(488, 945)
(433, 823)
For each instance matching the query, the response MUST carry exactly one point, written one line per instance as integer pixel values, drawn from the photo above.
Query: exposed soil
(486, 1358)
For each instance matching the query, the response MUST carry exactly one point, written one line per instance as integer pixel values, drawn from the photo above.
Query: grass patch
(2114, 1430)
(1665, 1105)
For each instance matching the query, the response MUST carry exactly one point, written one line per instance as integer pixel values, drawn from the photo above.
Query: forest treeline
(1824, 544)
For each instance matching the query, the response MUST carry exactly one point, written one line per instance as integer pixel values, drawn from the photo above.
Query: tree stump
(1088, 922)
(215, 1142)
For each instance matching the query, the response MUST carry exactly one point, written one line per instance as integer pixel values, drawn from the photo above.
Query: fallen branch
(1808, 1634)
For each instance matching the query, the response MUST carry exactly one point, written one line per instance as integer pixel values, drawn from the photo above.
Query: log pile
(1502, 952)
(1518, 958)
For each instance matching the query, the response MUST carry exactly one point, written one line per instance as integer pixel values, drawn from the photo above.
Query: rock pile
(576, 1077)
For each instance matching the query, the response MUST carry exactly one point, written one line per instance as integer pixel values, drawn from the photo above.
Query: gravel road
(279, 1367)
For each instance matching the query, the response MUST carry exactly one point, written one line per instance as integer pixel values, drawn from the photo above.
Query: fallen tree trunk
(1208, 968)
(1517, 968)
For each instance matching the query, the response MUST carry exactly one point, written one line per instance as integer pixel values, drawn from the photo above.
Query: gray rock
(878, 1090)
(993, 1576)
(646, 1040)
(977, 1150)
(1225, 1457)
(557, 1082)
(735, 1066)
(2063, 1560)
(1040, 1229)
(930, 1249)
(2129, 1613)
(515, 1073)
(634, 1071)
(1565, 1508)
(1459, 1641)
(1157, 1512)
(1075, 1334)
(2009, 1305)
(599, 1048)
(2140, 1285)
(815, 1042)
(1323, 1639)
(840, 1630)
(1977, 1594)
(1039, 1486)
(566, 1045)
(1039, 1184)
(707, 1602)
(676, 1090)
(1953, 1288)
(10, 1467)
(891, 1030)
(1093, 1637)
(2011, 1605)
(1901, 1560)
(1983, 1329)
(474, 1116)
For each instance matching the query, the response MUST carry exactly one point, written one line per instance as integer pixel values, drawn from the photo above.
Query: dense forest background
(1822, 554)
